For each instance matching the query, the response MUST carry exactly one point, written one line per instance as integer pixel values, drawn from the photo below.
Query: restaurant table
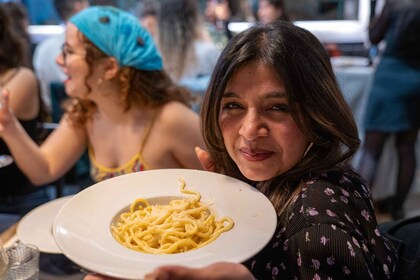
(8, 226)
(356, 83)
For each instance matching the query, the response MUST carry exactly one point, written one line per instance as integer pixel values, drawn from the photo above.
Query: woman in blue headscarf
(123, 107)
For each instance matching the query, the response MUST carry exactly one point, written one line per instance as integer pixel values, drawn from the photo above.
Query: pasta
(183, 225)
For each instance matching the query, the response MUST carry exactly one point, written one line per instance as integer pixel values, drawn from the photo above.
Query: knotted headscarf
(120, 35)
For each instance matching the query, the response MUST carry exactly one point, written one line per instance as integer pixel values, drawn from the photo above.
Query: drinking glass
(23, 262)
(4, 260)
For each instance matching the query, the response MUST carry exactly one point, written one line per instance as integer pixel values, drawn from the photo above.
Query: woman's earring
(99, 82)
(307, 149)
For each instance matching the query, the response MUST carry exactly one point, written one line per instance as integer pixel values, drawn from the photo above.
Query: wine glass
(4, 260)
(5, 160)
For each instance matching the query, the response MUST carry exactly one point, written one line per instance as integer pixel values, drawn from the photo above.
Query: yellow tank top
(137, 163)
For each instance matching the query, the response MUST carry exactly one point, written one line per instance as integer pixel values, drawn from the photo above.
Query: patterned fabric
(99, 172)
(330, 233)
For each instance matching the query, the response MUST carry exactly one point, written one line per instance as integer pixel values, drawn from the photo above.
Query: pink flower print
(357, 194)
(282, 266)
(301, 209)
(377, 232)
(350, 247)
(276, 244)
(386, 269)
(333, 200)
(310, 182)
(285, 245)
(346, 270)
(329, 191)
(344, 199)
(373, 241)
(331, 260)
(291, 216)
(316, 277)
(345, 193)
(348, 218)
(366, 215)
(307, 239)
(312, 211)
(275, 271)
(299, 259)
(253, 264)
(331, 213)
(280, 233)
(334, 227)
(316, 264)
(356, 242)
(324, 240)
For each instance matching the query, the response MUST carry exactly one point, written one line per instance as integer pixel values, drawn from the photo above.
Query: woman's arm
(54, 158)
(24, 94)
(379, 24)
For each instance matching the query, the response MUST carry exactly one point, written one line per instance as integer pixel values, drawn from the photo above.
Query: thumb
(4, 100)
(205, 159)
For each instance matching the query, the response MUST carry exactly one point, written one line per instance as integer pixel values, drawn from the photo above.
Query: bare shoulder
(176, 113)
(26, 73)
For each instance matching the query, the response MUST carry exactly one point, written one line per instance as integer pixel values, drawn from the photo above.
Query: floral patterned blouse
(330, 233)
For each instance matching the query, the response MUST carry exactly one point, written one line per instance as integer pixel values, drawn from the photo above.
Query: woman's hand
(205, 159)
(7, 118)
(216, 271)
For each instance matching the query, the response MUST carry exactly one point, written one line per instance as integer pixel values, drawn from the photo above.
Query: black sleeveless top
(12, 180)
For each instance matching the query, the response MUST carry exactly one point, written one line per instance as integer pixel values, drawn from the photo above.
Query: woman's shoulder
(175, 114)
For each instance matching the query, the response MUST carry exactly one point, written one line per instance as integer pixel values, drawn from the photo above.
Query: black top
(330, 233)
(12, 180)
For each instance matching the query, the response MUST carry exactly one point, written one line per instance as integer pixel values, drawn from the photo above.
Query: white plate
(82, 226)
(36, 226)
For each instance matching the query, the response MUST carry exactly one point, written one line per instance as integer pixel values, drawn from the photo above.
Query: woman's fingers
(205, 159)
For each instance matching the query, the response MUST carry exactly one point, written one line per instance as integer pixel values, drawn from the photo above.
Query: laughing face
(259, 131)
(73, 62)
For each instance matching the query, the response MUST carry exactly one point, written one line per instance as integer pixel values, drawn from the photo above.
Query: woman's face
(258, 129)
(267, 12)
(73, 62)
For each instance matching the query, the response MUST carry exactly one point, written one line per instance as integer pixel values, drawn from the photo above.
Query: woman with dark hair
(123, 107)
(274, 116)
(271, 11)
(187, 49)
(17, 194)
(394, 101)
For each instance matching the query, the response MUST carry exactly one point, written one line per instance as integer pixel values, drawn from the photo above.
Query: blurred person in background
(123, 108)
(393, 107)
(271, 11)
(188, 51)
(113, 3)
(221, 12)
(46, 69)
(17, 194)
(19, 16)
(148, 12)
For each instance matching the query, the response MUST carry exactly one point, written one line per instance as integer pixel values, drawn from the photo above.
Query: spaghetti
(181, 226)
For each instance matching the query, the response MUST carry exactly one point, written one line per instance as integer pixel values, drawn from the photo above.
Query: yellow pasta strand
(183, 225)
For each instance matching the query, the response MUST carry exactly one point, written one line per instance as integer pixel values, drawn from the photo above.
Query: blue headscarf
(120, 35)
